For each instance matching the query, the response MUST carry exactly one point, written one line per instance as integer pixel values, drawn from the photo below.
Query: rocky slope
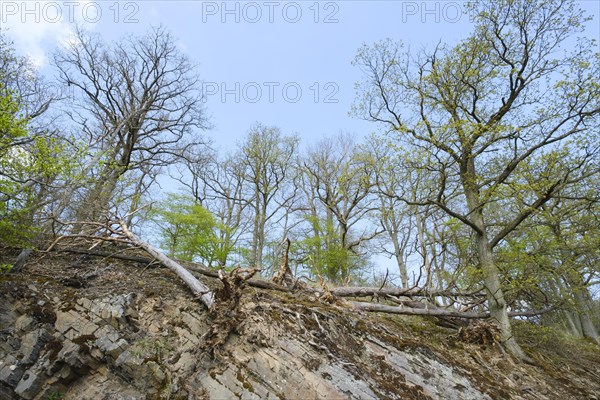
(94, 328)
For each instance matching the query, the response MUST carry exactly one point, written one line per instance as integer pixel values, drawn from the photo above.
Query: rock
(193, 321)
(73, 355)
(21, 260)
(113, 310)
(102, 385)
(31, 383)
(107, 344)
(31, 345)
(23, 323)
(185, 363)
(111, 344)
(73, 324)
(10, 371)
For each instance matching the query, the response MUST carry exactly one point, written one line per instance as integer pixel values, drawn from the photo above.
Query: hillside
(83, 327)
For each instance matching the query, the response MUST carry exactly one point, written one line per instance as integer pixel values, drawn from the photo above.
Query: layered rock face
(93, 350)
(107, 337)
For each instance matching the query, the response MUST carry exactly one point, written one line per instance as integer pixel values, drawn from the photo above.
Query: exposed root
(484, 333)
(284, 275)
(226, 315)
(327, 296)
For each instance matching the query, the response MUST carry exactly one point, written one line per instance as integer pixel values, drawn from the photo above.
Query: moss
(390, 384)
(151, 349)
(245, 382)
(53, 347)
(43, 314)
(82, 342)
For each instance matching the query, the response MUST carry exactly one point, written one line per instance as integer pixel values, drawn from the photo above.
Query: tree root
(226, 315)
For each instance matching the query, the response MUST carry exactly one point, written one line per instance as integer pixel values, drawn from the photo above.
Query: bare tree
(267, 157)
(18, 76)
(218, 184)
(339, 176)
(508, 118)
(395, 217)
(135, 100)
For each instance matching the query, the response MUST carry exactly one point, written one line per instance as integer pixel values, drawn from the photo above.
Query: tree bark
(436, 311)
(496, 300)
(587, 325)
(573, 324)
(491, 276)
(407, 292)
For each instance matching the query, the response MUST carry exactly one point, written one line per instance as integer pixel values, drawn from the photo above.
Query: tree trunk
(400, 261)
(69, 190)
(576, 285)
(584, 311)
(391, 226)
(496, 300)
(96, 203)
(573, 324)
(583, 308)
(423, 246)
(491, 276)
(261, 238)
(254, 261)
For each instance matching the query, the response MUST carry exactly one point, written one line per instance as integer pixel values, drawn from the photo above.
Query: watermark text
(270, 92)
(68, 11)
(253, 12)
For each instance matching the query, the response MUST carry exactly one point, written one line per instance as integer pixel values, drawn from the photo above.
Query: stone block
(31, 383)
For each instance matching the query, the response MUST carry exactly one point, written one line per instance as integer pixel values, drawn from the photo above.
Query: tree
(394, 216)
(552, 260)
(337, 182)
(266, 156)
(32, 94)
(217, 183)
(135, 101)
(506, 118)
(32, 153)
(13, 129)
(188, 230)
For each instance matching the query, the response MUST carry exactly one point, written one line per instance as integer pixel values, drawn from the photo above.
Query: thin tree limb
(206, 295)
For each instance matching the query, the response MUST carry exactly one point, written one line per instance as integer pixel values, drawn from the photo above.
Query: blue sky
(261, 53)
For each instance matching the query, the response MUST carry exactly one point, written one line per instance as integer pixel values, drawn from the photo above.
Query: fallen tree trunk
(205, 292)
(437, 312)
(408, 292)
(206, 295)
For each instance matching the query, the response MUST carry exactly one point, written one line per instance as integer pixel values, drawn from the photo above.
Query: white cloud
(37, 27)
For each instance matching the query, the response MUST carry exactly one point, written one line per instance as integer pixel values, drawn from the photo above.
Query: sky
(281, 63)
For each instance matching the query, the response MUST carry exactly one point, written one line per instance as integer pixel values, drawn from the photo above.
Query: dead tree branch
(407, 292)
(438, 312)
(206, 295)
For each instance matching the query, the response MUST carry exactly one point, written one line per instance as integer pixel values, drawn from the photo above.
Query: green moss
(82, 342)
(43, 314)
(55, 396)
(151, 349)
(245, 382)
(53, 347)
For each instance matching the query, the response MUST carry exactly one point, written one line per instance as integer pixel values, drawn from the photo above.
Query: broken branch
(206, 295)
(438, 312)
